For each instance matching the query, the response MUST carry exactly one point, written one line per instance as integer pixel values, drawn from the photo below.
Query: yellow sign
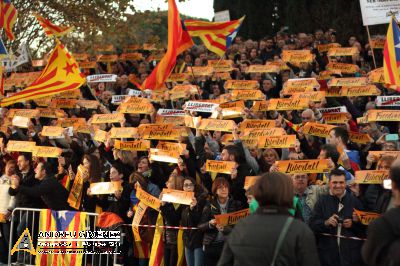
(178, 77)
(366, 217)
(315, 96)
(297, 56)
(46, 152)
(64, 103)
(256, 124)
(241, 84)
(343, 51)
(249, 181)
(134, 108)
(123, 132)
(260, 106)
(24, 243)
(263, 69)
(174, 120)
(371, 176)
(75, 194)
(147, 198)
(51, 131)
(217, 125)
(303, 166)
(288, 104)
(323, 48)
(161, 134)
(23, 146)
(201, 70)
(224, 167)
(101, 188)
(285, 141)
(316, 129)
(251, 95)
(379, 154)
(342, 68)
(136, 145)
(383, 115)
(255, 134)
(360, 138)
(177, 196)
(347, 82)
(335, 118)
(107, 118)
(231, 218)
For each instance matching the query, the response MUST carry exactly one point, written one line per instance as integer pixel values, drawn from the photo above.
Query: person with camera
(333, 222)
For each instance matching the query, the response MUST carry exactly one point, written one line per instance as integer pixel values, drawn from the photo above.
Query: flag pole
(370, 44)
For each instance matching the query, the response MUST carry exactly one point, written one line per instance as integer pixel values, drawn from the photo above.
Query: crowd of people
(296, 219)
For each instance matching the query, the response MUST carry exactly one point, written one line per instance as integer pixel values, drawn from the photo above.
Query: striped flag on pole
(391, 53)
(51, 29)
(8, 17)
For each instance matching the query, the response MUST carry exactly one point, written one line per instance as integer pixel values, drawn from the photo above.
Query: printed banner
(101, 188)
(383, 115)
(371, 176)
(178, 77)
(200, 106)
(343, 51)
(22, 146)
(285, 141)
(101, 78)
(317, 129)
(107, 118)
(388, 100)
(135, 108)
(303, 166)
(255, 134)
(177, 196)
(148, 199)
(123, 132)
(342, 68)
(376, 12)
(118, 99)
(315, 96)
(256, 124)
(136, 145)
(171, 146)
(170, 112)
(366, 217)
(379, 154)
(241, 84)
(347, 82)
(323, 48)
(297, 56)
(288, 104)
(217, 125)
(231, 218)
(263, 69)
(224, 167)
(248, 95)
(75, 194)
(46, 152)
(335, 118)
(161, 134)
(310, 83)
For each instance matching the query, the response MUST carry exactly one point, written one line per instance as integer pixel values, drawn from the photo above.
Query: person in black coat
(191, 215)
(333, 214)
(215, 234)
(54, 195)
(248, 240)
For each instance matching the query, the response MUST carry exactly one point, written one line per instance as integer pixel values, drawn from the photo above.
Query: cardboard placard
(263, 69)
(383, 115)
(297, 56)
(223, 167)
(248, 95)
(174, 120)
(317, 129)
(347, 82)
(177, 196)
(228, 113)
(360, 138)
(201, 70)
(362, 120)
(192, 89)
(88, 65)
(335, 118)
(217, 125)
(256, 124)
(226, 139)
(234, 84)
(43, 102)
(161, 134)
(285, 141)
(147, 198)
(310, 83)
(288, 104)
(171, 146)
(371, 176)
(249, 181)
(73, 94)
(293, 90)
(21, 121)
(46, 152)
(163, 156)
(342, 68)
(63, 103)
(136, 145)
(323, 48)
(220, 64)
(366, 217)
(315, 96)
(144, 127)
(100, 135)
(178, 77)
(109, 58)
(137, 218)
(260, 106)
(232, 104)
(107, 118)
(123, 132)
(31, 113)
(88, 104)
(231, 218)
(343, 51)
(135, 108)
(255, 134)
(200, 106)
(379, 154)
(51, 113)
(101, 188)
(303, 166)
(81, 57)
(376, 75)
(75, 194)
(130, 56)
(22, 146)
(52, 131)
(222, 75)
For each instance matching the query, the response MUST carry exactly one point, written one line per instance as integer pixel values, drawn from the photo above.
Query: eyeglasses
(188, 185)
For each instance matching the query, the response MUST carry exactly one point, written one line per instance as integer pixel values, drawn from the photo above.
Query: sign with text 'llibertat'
(217, 125)
(224, 167)
(303, 166)
(231, 218)
(136, 145)
(287, 104)
(316, 129)
(285, 141)
(383, 115)
(107, 118)
(177, 196)
(371, 176)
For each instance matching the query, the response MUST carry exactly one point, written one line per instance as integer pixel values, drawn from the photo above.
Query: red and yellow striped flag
(178, 41)
(51, 29)
(391, 55)
(1, 80)
(157, 248)
(61, 74)
(61, 221)
(216, 36)
(8, 17)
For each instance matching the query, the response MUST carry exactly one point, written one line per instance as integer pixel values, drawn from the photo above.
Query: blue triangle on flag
(3, 51)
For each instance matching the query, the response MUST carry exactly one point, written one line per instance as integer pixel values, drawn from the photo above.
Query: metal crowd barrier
(30, 217)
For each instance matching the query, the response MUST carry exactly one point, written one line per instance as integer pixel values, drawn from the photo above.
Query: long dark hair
(95, 168)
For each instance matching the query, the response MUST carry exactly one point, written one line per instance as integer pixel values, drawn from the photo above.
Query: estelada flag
(51, 29)
(61, 74)
(178, 41)
(8, 17)
(61, 221)
(391, 53)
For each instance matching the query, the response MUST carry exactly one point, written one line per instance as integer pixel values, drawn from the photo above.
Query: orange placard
(136, 145)
(107, 58)
(226, 139)
(220, 64)
(371, 176)
(323, 48)
(23, 146)
(232, 104)
(87, 65)
(288, 104)
(376, 76)
(249, 181)
(316, 129)
(163, 156)
(303, 166)
(360, 138)
(362, 120)
(222, 76)
(88, 104)
(107, 118)
(178, 77)
(123, 132)
(293, 90)
(231, 218)
(75, 194)
(171, 146)
(101, 188)
(217, 125)
(248, 95)
(135, 108)
(263, 69)
(31, 113)
(51, 113)
(161, 134)
(63, 103)
(260, 106)
(347, 82)
(147, 198)
(342, 68)
(174, 120)
(297, 56)
(255, 134)
(52, 131)
(130, 56)
(378, 154)
(383, 115)
(224, 167)
(241, 84)
(100, 135)
(228, 113)
(285, 141)
(309, 83)
(335, 118)
(43, 102)
(343, 51)
(256, 124)
(81, 57)
(104, 48)
(315, 96)
(46, 152)
(201, 71)
(366, 217)
(369, 90)
(140, 210)
(177, 196)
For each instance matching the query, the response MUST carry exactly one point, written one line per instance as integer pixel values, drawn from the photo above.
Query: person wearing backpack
(271, 236)
(382, 246)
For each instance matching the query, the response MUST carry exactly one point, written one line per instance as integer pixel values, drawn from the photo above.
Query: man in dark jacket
(54, 194)
(383, 243)
(332, 215)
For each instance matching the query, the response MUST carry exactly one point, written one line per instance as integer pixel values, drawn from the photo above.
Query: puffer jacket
(172, 217)
(210, 210)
